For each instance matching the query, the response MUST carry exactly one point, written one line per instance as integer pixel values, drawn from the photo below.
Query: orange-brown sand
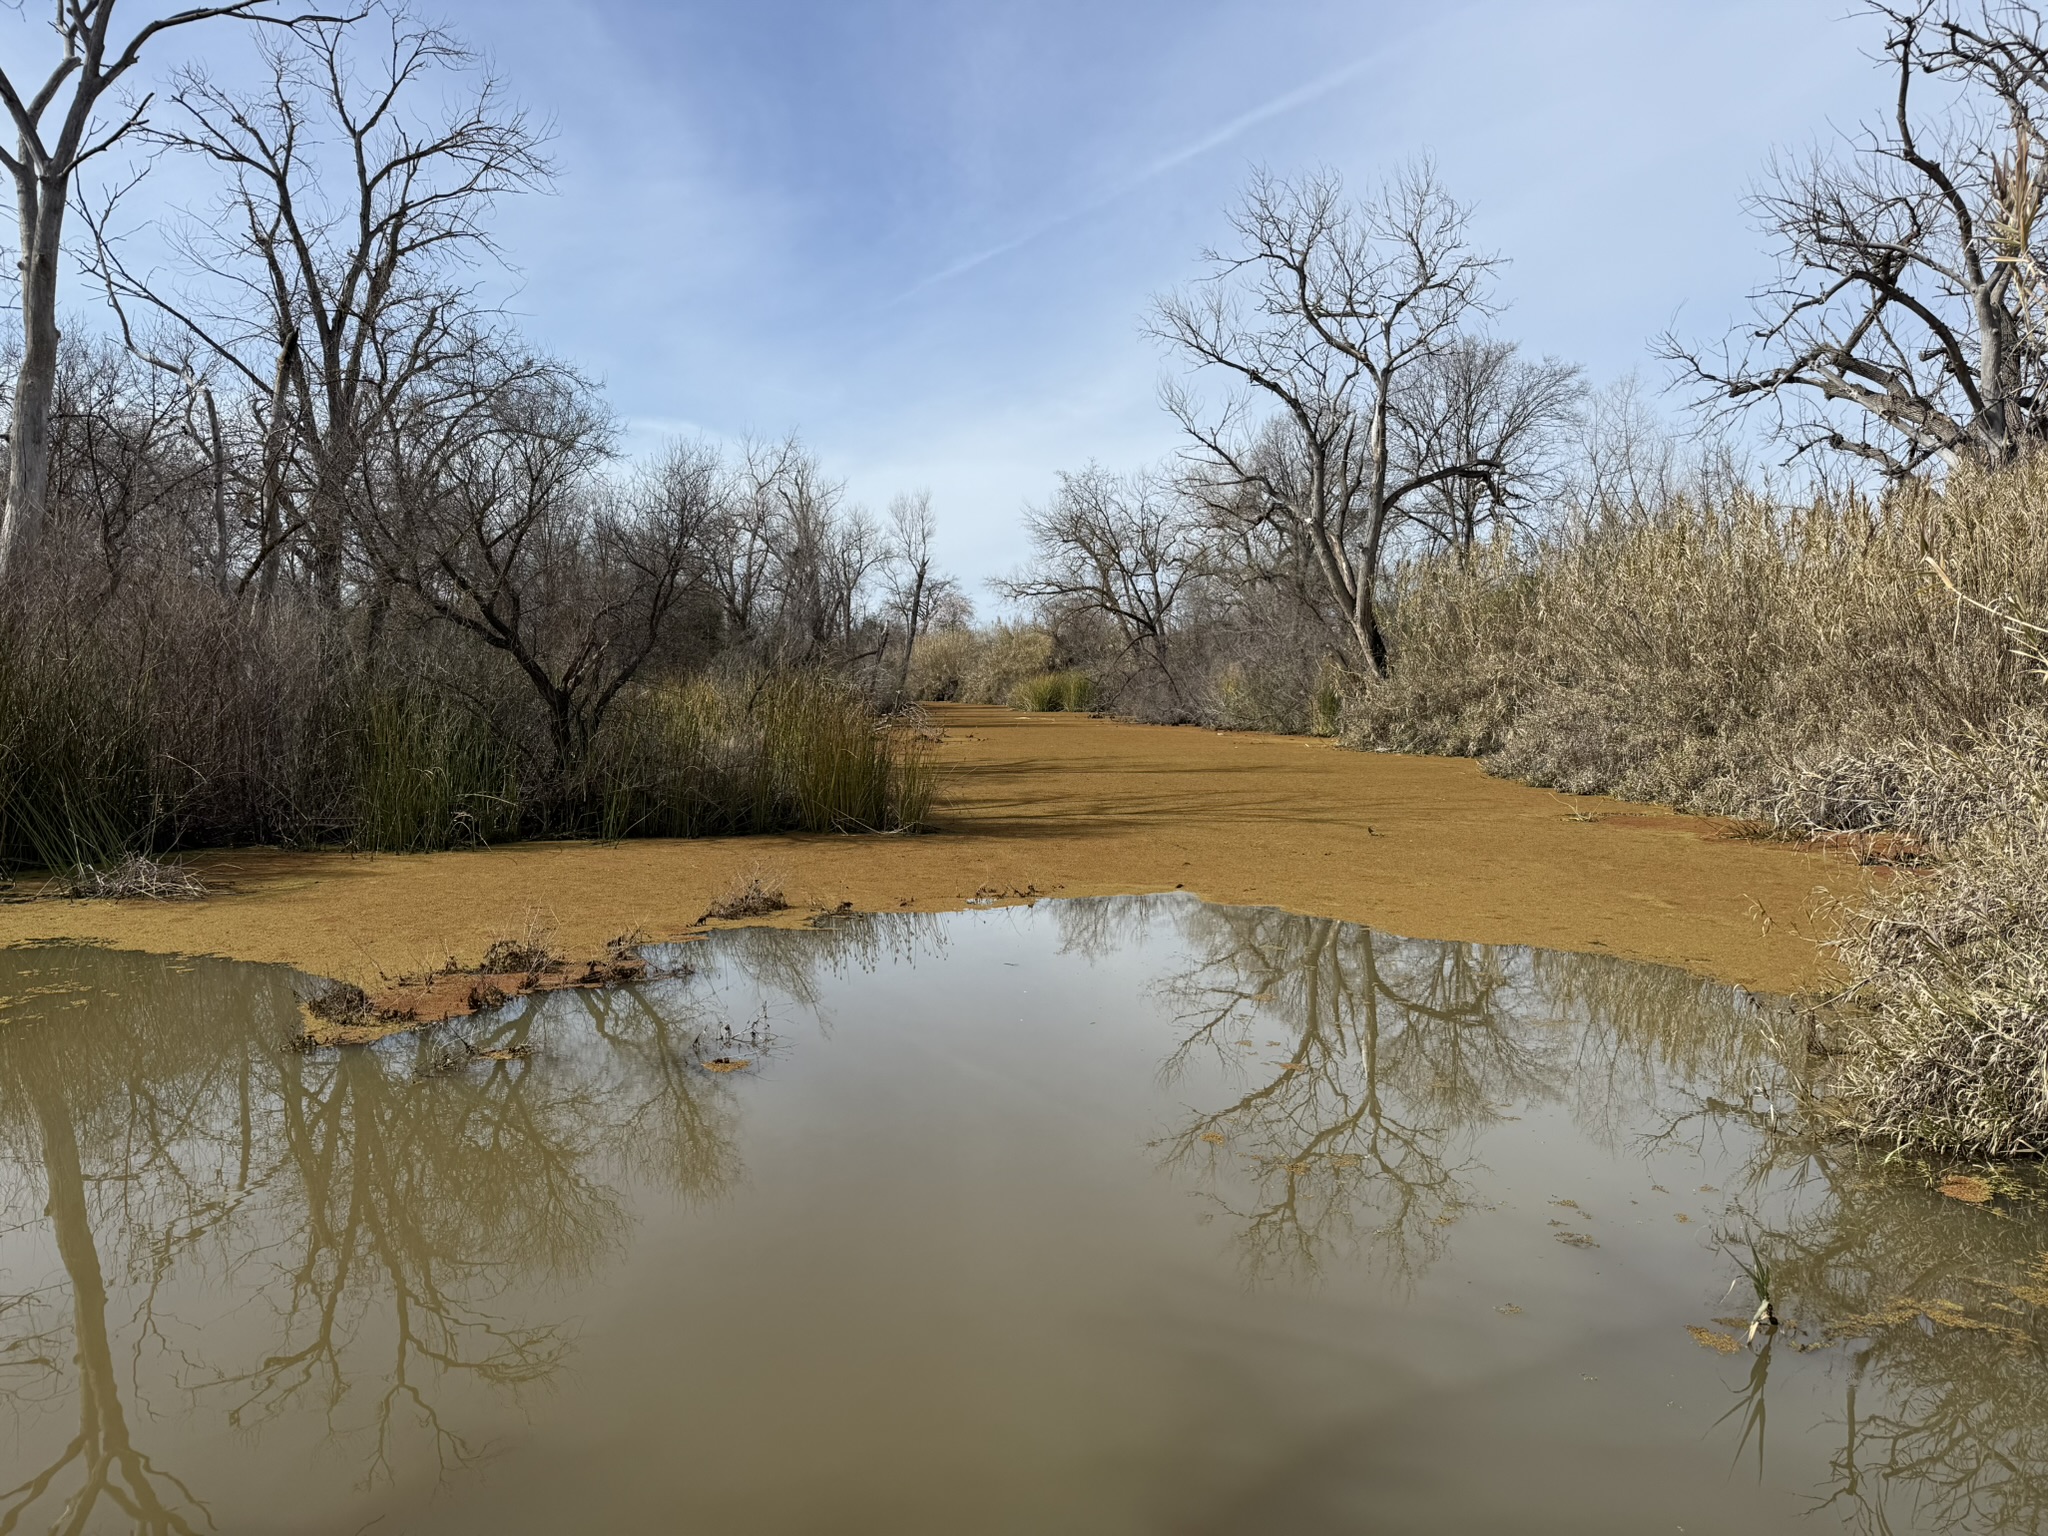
(1061, 805)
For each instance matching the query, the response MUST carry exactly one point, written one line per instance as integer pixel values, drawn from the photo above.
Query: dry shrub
(1238, 697)
(978, 666)
(341, 1003)
(939, 664)
(528, 955)
(1941, 1042)
(1936, 793)
(755, 894)
(1697, 651)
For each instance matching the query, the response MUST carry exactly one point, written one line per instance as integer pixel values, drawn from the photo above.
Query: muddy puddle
(1130, 1215)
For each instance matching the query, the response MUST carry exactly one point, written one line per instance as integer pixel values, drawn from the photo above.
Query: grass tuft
(1048, 692)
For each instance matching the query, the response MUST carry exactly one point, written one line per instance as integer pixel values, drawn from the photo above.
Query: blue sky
(923, 232)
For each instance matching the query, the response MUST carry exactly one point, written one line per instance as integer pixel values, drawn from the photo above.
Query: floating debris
(1966, 1187)
(1904, 1311)
(726, 1064)
(1719, 1343)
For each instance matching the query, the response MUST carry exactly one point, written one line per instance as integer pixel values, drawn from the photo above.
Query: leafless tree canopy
(1480, 402)
(1908, 321)
(58, 128)
(1115, 548)
(919, 594)
(1323, 316)
(331, 280)
(320, 537)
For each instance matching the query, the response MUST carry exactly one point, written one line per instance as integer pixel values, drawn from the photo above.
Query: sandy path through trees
(1057, 805)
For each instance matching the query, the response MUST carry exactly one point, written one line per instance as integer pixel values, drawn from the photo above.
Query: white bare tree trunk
(41, 200)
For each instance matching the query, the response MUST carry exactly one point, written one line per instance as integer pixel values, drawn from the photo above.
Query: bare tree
(1320, 316)
(1479, 401)
(1115, 546)
(741, 569)
(1624, 456)
(852, 554)
(493, 518)
(332, 278)
(45, 159)
(1908, 323)
(121, 452)
(917, 590)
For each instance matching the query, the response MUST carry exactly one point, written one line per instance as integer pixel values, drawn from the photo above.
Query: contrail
(1279, 106)
(1300, 96)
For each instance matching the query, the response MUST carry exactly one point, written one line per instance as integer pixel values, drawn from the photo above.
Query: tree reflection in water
(381, 1216)
(1943, 1343)
(1363, 1128)
(1395, 1056)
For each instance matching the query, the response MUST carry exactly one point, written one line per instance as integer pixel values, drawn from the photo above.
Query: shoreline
(1061, 805)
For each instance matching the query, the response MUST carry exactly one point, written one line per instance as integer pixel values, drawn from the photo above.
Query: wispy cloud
(1194, 149)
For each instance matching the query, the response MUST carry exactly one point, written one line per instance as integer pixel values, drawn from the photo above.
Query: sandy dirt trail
(1057, 805)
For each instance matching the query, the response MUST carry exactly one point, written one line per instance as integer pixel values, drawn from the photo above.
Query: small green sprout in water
(1757, 1270)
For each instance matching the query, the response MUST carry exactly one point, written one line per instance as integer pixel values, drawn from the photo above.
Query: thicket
(322, 552)
(161, 718)
(1719, 649)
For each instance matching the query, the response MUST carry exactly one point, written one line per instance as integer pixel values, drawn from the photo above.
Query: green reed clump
(430, 774)
(1071, 691)
(76, 784)
(799, 752)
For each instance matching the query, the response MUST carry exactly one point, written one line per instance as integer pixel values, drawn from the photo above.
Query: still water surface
(1125, 1216)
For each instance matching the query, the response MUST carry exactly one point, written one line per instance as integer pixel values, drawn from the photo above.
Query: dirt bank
(1065, 806)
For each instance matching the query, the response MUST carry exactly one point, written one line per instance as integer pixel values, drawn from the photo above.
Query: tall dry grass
(1701, 652)
(978, 666)
(1941, 1040)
